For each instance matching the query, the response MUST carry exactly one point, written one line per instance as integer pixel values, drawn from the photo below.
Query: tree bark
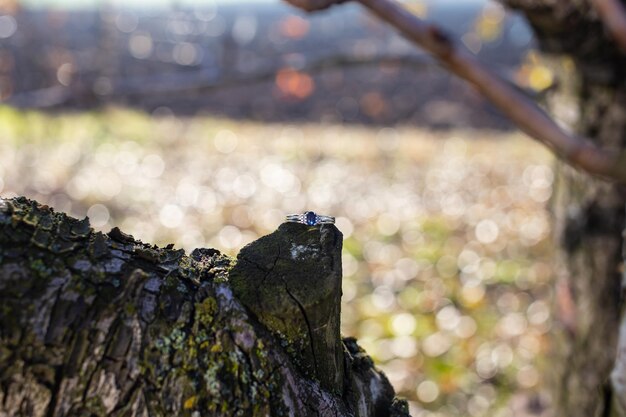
(97, 324)
(589, 213)
(590, 220)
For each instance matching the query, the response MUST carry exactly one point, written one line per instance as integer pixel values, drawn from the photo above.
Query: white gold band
(310, 218)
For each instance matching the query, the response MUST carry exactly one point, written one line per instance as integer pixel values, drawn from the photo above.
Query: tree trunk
(590, 220)
(104, 325)
(589, 212)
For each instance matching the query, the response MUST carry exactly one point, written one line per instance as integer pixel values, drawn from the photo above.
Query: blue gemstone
(311, 218)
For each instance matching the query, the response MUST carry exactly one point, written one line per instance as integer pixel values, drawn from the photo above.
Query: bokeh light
(446, 235)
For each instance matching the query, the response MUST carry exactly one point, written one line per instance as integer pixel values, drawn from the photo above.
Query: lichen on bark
(97, 324)
(297, 295)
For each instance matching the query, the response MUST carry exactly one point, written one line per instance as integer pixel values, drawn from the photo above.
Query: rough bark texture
(94, 325)
(589, 213)
(298, 300)
(618, 375)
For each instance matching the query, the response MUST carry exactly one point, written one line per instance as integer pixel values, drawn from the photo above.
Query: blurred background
(203, 123)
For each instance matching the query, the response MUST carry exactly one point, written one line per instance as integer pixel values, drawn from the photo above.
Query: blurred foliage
(447, 248)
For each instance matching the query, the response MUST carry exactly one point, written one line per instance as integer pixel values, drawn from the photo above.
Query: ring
(310, 218)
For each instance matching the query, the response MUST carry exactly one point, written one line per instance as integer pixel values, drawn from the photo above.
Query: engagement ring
(310, 218)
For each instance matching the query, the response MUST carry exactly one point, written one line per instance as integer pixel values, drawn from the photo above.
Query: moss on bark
(97, 324)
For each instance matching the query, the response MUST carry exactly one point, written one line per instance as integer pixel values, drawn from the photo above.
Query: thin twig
(525, 113)
(141, 86)
(199, 81)
(613, 15)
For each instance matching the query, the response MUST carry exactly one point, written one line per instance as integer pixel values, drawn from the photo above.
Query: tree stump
(97, 324)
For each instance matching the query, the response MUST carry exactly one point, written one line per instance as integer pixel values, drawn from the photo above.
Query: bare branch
(613, 15)
(525, 113)
(314, 5)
